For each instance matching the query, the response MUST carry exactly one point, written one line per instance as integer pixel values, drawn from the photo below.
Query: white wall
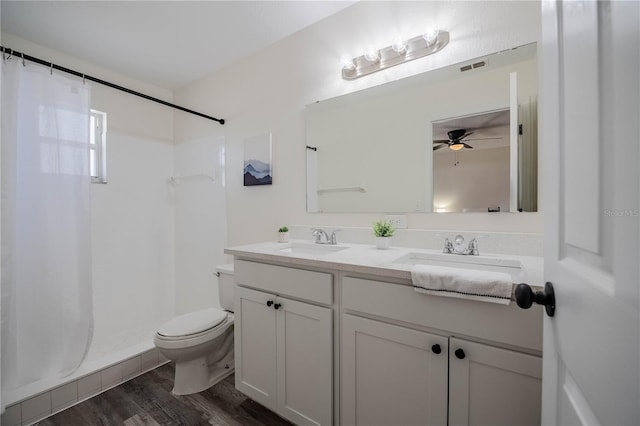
(267, 92)
(478, 181)
(200, 220)
(132, 215)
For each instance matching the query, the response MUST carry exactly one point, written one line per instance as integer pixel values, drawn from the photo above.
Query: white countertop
(367, 259)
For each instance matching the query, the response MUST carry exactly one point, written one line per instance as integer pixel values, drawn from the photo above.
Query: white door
(590, 143)
(305, 362)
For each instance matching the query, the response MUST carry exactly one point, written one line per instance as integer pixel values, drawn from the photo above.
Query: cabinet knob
(525, 297)
(459, 353)
(436, 349)
(276, 306)
(269, 303)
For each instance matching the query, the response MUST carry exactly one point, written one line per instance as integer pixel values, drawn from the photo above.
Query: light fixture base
(416, 48)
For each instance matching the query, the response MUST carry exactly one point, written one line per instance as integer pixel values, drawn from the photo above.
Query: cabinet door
(492, 386)
(392, 375)
(305, 360)
(255, 346)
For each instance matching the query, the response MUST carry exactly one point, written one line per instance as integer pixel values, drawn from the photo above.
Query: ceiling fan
(455, 141)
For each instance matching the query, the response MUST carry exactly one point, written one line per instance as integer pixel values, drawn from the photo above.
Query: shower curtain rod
(52, 66)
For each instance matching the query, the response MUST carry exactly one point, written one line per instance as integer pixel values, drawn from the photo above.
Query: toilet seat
(189, 325)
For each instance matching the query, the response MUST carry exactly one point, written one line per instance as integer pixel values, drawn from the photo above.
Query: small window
(98, 147)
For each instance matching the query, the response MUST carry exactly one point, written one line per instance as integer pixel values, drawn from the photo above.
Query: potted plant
(383, 230)
(283, 234)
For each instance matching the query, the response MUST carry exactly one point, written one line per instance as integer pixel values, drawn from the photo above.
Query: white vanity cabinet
(392, 375)
(493, 386)
(284, 347)
(394, 371)
(323, 341)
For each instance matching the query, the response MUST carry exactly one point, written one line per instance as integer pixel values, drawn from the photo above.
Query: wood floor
(147, 400)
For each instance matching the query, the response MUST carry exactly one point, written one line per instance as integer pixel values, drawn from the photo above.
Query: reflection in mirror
(372, 151)
(471, 163)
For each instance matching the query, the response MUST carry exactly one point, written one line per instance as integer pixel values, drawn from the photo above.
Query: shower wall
(132, 242)
(132, 223)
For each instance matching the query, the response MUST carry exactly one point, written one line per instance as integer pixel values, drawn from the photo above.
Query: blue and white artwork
(257, 160)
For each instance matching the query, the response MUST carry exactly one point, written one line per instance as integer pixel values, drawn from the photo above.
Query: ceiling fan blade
(467, 146)
(465, 135)
(481, 139)
(441, 141)
(438, 147)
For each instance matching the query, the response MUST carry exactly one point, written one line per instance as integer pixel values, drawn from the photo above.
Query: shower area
(90, 270)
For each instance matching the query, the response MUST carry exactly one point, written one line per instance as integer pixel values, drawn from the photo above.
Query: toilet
(201, 343)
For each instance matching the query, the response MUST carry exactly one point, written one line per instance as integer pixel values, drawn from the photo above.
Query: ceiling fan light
(456, 146)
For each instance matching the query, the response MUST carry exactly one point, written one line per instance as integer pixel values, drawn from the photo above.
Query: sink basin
(512, 267)
(310, 248)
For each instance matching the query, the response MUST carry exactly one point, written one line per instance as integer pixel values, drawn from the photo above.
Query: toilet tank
(226, 286)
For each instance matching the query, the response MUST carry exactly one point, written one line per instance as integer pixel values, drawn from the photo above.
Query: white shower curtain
(47, 319)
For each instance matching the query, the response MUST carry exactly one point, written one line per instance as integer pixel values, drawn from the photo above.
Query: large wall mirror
(457, 139)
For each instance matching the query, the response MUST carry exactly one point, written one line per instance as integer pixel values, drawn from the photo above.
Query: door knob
(276, 306)
(269, 303)
(525, 297)
(459, 353)
(436, 349)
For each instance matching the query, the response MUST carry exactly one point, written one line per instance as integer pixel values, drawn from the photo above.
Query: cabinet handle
(459, 353)
(269, 303)
(276, 306)
(436, 349)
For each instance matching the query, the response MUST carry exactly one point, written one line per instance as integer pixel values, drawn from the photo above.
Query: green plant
(283, 229)
(383, 228)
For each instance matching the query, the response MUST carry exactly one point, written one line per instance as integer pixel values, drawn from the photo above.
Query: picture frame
(258, 169)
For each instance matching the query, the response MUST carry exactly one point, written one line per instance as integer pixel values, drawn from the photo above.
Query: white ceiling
(167, 43)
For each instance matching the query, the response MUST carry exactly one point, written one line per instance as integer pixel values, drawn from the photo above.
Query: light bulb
(430, 37)
(347, 63)
(372, 54)
(399, 45)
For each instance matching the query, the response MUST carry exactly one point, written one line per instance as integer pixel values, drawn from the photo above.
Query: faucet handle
(448, 247)
(333, 239)
(472, 248)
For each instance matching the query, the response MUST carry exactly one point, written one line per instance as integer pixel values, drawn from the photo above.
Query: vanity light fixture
(372, 54)
(399, 46)
(430, 37)
(399, 52)
(347, 63)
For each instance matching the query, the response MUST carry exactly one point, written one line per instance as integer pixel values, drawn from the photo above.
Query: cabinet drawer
(504, 324)
(299, 283)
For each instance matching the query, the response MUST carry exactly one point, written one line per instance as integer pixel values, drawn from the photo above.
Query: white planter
(383, 242)
(283, 237)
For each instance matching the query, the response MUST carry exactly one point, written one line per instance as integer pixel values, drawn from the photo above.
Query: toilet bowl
(201, 342)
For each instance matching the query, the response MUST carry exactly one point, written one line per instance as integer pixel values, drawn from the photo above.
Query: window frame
(98, 146)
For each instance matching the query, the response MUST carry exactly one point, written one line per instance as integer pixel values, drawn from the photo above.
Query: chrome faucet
(457, 246)
(319, 233)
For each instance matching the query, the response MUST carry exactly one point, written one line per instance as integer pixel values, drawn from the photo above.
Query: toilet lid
(192, 323)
